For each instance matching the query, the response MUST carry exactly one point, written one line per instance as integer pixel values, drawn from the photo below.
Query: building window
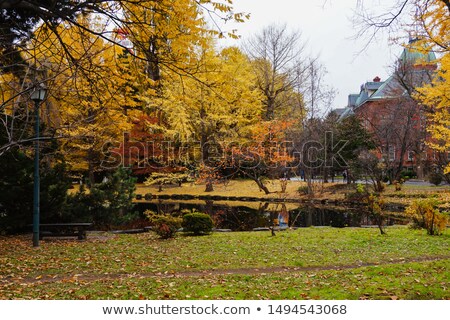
(410, 155)
(391, 153)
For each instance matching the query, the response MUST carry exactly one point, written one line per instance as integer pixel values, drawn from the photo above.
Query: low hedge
(197, 223)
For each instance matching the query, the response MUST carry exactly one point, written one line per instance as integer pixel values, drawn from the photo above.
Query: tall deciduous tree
(87, 101)
(437, 96)
(279, 65)
(163, 33)
(218, 106)
(19, 19)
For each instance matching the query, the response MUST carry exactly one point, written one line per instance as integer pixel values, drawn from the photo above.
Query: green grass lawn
(404, 264)
(428, 280)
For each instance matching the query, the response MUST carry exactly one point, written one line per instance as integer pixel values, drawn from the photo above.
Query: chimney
(377, 79)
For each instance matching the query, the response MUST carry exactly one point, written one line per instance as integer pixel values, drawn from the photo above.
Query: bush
(165, 225)
(435, 178)
(408, 174)
(425, 215)
(375, 208)
(197, 223)
(398, 184)
(359, 195)
(303, 190)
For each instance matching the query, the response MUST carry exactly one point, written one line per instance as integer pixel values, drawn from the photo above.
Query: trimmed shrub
(198, 223)
(165, 225)
(148, 196)
(408, 174)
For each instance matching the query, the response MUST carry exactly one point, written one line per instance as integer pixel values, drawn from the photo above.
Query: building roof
(347, 113)
(352, 98)
(389, 89)
(338, 111)
(414, 56)
(371, 85)
(392, 87)
(363, 97)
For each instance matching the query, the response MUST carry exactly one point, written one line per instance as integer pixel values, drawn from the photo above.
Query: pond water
(246, 216)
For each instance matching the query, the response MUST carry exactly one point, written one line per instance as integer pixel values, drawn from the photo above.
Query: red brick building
(396, 120)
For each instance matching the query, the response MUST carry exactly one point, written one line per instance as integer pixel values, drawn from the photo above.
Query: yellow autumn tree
(88, 99)
(167, 34)
(219, 105)
(169, 40)
(164, 35)
(437, 96)
(433, 17)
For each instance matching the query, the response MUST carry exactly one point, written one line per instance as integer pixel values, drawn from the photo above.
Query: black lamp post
(37, 96)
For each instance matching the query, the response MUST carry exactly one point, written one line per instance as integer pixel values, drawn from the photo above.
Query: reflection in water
(245, 216)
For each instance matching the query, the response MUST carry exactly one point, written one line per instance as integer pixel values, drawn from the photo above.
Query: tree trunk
(379, 220)
(209, 186)
(261, 185)
(349, 179)
(126, 150)
(381, 229)
(91, 175)
(419, 166)
(431, 226)
(272, 230)
(379, 186)
(153, 69)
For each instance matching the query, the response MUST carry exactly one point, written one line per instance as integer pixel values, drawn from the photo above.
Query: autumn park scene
(149, 150)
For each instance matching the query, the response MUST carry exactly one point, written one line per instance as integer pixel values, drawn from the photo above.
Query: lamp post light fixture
(38, 95)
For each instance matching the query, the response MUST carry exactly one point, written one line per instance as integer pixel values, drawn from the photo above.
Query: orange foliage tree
(265, 155)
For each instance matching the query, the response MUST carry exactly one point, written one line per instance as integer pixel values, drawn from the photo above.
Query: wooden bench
(64, 230)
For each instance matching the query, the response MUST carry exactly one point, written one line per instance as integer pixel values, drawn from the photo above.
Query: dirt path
(207, 273)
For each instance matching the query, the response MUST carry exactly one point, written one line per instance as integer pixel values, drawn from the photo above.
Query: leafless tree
(279, 62)
(317, 95)
(395, 132)
(287, 76)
